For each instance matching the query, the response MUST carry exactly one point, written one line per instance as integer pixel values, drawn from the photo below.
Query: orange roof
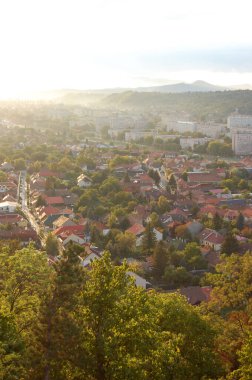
(136, 229)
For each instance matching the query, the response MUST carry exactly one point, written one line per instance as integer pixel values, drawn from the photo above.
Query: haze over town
(98, 44)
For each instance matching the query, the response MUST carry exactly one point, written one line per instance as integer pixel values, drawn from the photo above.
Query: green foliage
(230, 244)
(217, 148)
(193, 258)
(159, 259)
(148, 240)
(52, 245)
(11, 349)
(3, 176)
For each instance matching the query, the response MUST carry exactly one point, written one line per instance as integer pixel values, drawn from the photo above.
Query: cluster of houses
(13, 225)
(198, 195)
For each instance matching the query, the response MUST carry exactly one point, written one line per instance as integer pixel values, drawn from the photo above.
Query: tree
(3, 176)
(119, 329)
(163, 204)
(19, 164)
(154, 174)
(11, 349)
(245, 359)
(193, 258)
(184, 176)
(40, 201)
(60, 334)
(159, 259)
(52, 245)
(240, 222)
(172, 182)
(176, 277)
(148, 240)
(25, 284)
(230, 244)
(230, 307)
(197, 359)
(217, 222)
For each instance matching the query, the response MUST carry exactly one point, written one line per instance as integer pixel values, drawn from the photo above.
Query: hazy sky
(49, 44)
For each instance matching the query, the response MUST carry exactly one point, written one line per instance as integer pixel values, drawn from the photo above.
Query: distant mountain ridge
(197, 86)
(75, 95)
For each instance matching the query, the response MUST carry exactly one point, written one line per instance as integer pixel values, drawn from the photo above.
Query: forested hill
(201, 105)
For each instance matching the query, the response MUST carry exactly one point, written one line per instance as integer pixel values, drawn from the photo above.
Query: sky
(87, 44)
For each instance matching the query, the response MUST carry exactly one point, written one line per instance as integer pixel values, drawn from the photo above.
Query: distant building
(181, 126)
(136, 135)
(211, 130)
(239, 121)
(242, 141)
(191, 142)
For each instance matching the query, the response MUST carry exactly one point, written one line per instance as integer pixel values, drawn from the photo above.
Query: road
(23, 186)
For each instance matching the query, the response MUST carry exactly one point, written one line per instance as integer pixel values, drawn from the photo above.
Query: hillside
(201, 105)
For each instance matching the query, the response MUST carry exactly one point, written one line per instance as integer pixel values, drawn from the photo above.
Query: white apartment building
(181, 126)
(239, 121)
(191, 142)
(136, 135)
(211, 130)
(242, 141)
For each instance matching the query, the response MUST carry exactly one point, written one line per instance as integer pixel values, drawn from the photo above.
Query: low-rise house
(8, 206)
(24, 235)
(196, 294)
(158, 233)
(139, 281)
(247, 213)
(203, 178)
(84, 181)
(64, 232)
(54, 201)
(211, 238)
(63, 221)
(231, 215)
(74, 239)
(6, 167)
(137, 230)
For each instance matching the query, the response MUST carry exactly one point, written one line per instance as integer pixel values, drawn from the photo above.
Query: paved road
(23, 201)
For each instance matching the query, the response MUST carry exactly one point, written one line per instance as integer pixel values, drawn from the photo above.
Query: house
(8, 206)
(6, 167)
(84, 181)
(139, 281)
(247, 213)
(137, 230)
(63, 221)
(178, 215)
(54, 201)
(203, 178)
(158, 233)
(74, 239)
(24, 235)
(231, 215)
(196, 294)
(211, 238)
(64, 232)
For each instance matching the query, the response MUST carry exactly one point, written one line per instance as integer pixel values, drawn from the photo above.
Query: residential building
(242, 141)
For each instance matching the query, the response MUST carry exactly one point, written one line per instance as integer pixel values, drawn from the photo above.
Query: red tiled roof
(77, 230)
(48, 173)
(203, 177)
(49, 210)
(54, 200)
(136, 229)
(211, 236)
